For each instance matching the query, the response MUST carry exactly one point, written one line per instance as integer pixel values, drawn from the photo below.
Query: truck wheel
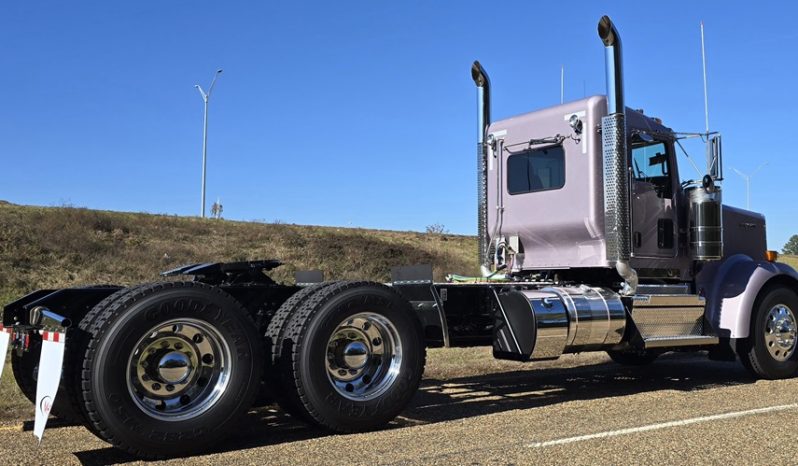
(633, 358)
(274, 359)
(26, 367)
(170, 368)
(770, 350)
(354, 356)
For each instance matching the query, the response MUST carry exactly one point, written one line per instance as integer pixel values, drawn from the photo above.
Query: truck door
(653, 206)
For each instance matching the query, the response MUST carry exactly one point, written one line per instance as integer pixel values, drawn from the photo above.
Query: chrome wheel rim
(179, 369)
(780, 332)
(364, 355)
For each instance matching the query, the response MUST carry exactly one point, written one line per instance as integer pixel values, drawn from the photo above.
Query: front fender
(731, 288)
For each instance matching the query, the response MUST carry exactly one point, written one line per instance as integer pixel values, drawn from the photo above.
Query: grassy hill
(57, 247)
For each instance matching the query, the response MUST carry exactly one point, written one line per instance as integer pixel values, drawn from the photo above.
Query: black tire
(304, 365)
(633, 358)
(754, 352)
(108, 393)
(68, 403)
(75, 352)
(272, 389)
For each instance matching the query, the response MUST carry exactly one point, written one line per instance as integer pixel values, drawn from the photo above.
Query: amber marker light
(771, 256)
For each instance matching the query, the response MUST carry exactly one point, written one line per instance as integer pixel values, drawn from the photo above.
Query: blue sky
(361, 113)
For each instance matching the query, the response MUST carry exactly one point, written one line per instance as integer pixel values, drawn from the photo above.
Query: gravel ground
(473, 410)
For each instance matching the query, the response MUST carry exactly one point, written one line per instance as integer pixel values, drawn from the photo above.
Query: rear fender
(73, 303)
(732, 286)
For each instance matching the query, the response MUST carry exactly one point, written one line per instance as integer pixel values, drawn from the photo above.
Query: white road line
(663, 425)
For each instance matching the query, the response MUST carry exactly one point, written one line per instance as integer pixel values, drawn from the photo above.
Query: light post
(747, 179)
(205, 97)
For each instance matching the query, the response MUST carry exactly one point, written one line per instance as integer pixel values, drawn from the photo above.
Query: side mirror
(714, 157)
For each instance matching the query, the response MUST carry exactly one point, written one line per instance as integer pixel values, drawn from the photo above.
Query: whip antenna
(704, 63)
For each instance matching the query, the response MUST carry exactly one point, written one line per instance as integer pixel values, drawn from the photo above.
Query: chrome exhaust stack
(482, 82)
(617, 221)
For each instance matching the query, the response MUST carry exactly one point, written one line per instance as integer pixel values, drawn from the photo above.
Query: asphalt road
(582, 410)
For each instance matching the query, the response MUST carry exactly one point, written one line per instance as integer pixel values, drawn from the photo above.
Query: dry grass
(57, 247)
(792, 261)
(13, 404)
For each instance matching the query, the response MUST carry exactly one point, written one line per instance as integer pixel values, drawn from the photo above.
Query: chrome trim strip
(670, 342)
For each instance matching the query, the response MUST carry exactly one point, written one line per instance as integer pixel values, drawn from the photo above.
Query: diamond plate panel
(668, 315)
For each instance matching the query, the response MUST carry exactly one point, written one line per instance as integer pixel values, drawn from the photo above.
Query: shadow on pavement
(445, 400)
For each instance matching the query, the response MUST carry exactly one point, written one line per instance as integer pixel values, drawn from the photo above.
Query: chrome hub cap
(780, 332)
(179, 369)
(364, 355)
(174, 367)
(356, 355)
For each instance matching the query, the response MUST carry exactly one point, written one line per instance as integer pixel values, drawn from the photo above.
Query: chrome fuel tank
(543, 324)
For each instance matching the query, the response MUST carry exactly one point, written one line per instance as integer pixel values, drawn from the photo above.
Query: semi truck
(588, 240)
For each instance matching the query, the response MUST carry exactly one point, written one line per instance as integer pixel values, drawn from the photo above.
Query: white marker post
(50, 365)
(5, 337)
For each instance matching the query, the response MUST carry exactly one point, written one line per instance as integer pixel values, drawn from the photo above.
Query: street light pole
(747, 179)
(205, 98)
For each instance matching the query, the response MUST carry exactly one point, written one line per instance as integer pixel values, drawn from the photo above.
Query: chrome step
(679, 340)
(668, 315)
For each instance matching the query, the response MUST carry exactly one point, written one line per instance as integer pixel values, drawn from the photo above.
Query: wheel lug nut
(207, 358)
(178, 346)
(145, 377)
(366, 325)
(341, 372)
(164, 344)
(197, 338)
(156, 386)
(376, 341)
(170, 388)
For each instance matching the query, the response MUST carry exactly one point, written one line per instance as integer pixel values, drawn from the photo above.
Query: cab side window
(536, 170)
(651, 164)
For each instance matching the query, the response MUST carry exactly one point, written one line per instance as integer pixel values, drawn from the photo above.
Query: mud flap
(5, 337)
(50, 366)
